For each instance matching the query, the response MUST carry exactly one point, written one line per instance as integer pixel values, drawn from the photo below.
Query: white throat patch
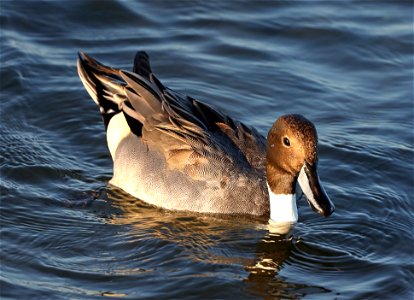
(282, 207)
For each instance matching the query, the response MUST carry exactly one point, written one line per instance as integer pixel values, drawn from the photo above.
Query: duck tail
(142, 65)
(104, 84)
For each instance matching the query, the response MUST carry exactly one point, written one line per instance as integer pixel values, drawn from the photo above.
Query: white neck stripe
(282, 207)
(305, 186)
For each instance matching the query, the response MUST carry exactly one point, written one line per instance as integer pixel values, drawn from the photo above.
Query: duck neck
(281, 187)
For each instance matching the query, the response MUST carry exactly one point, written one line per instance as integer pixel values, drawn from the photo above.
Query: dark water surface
(347, 66)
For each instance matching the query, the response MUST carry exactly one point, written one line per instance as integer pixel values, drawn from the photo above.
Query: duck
(178, 153)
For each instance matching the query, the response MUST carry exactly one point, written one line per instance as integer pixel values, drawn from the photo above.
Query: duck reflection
(260, 249)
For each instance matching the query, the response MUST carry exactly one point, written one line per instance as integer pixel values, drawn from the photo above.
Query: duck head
(292, 158)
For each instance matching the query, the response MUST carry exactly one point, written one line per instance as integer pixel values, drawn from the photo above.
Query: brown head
(292, 157)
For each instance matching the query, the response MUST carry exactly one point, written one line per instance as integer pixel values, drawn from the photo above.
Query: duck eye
(286, 141)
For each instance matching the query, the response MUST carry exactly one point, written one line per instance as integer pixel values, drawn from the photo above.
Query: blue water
(345, 65)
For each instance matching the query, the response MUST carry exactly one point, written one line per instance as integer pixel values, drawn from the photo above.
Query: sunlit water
(348, 67)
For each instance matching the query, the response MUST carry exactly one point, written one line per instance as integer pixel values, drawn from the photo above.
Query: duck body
(178, 153)
(146, 174)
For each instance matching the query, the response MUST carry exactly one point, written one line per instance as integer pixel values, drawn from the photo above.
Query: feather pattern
(211, 152)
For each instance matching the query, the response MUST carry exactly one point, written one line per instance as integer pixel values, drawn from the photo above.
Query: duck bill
(311, 186)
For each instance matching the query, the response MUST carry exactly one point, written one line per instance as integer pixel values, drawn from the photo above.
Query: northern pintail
(175, 152)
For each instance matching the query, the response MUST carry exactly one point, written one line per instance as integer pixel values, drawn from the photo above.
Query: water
(347, 66)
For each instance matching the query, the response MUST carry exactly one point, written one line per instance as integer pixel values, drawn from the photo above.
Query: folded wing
(193, 137)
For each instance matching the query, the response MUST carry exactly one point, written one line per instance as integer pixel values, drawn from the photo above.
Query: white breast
(283, 207)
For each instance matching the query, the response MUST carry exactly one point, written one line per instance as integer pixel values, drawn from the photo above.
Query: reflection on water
(211, 240)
